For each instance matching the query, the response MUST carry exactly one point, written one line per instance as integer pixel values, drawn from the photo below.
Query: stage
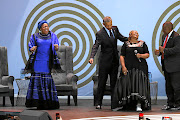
(86, 111)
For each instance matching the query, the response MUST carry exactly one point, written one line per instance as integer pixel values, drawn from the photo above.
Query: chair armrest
(8, 80)
(72, 79)
(95, 80)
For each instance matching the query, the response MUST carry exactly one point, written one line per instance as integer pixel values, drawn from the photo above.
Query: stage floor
(86, 111)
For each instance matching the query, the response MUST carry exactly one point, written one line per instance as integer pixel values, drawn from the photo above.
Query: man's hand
(161, 49)
(91, 61)
(33, 48)
(56, 47)
(156, 52)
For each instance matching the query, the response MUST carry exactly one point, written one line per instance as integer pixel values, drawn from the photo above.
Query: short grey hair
(107, 19)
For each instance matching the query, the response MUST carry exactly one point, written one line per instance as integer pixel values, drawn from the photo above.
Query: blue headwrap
(41, 23)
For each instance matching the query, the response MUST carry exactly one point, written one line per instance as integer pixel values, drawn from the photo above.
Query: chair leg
(12, 100)
(4, 100)
(68, 99)
(75, 99)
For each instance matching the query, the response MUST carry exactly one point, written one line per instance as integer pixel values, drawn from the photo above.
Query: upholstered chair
(66, 83)
(6, 81)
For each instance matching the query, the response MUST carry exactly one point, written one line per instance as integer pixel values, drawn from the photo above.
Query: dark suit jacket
(108, 46)
(171, 62)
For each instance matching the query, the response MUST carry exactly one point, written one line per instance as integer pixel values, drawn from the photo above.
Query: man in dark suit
(109, 60)
(170, 60)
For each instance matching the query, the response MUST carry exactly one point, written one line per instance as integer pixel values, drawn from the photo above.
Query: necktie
(164, 45)
(111, 35)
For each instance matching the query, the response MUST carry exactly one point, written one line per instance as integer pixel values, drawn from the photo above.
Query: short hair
(132, 31)
(168, 24)
(107, 19)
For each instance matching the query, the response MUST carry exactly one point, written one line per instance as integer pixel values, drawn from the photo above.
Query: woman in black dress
(132, 90)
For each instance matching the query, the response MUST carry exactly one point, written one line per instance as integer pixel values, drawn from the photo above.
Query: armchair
(95, 77)
(6, 81)
(66, 83)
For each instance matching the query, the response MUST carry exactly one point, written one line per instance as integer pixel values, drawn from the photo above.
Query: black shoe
(167, 107)
(176, 107)
(98, 107)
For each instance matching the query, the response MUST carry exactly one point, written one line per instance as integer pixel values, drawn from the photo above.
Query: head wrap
(41, 23)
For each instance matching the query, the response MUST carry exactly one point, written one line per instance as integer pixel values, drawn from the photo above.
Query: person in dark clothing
(132, 90)
(109, 59)
(170, 57)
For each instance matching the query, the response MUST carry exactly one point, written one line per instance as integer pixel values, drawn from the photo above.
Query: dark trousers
(112, 71)
(173, 88)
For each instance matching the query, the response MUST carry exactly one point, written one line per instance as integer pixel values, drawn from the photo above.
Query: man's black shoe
(98, 107)
(176, 108)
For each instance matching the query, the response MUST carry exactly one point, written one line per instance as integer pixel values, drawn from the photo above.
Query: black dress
(134, 86)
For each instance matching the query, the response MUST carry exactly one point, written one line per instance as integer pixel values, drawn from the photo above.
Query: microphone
(135, 52)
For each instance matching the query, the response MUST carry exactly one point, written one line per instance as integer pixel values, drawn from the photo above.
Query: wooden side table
(22, 91)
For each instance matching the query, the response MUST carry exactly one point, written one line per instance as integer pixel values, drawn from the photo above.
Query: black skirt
(131, 88)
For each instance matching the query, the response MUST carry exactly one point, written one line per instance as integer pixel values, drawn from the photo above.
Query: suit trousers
(112, 71)
(172, 88)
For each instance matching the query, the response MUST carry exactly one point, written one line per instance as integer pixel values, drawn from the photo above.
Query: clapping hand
(161, 49)
(156, 52)
(56, 46)
(33, 48)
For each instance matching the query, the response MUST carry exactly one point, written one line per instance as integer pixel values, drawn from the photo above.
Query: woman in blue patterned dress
(42, 91)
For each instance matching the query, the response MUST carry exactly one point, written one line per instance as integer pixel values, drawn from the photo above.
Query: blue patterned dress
(42, 91)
